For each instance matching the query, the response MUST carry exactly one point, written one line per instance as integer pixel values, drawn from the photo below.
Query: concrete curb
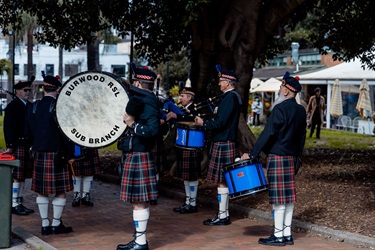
(342, 236)
(30, 239)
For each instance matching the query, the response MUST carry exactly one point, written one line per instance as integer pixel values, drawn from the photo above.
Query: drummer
(223, 151)
(282, 139)
(188, 161)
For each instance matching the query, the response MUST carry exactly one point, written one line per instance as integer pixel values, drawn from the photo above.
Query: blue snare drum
(244, 178)
(189, 136)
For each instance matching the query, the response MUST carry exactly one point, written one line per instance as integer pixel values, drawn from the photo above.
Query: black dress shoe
(178, 209)
(76, 200)
(19, 210)
(61, 229)
(86, 200)
(133, 245)
(288, 240)
(46, 230)
(272, 241)
(27, 210)
(189, 209)
(217, 221)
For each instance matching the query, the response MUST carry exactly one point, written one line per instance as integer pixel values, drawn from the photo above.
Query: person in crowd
(52, 155)
(86, 165)
(18, 144)
(223, 151)
(256, 107)
(139, 184)
(315, 108)
(282, 140)
(188, 161)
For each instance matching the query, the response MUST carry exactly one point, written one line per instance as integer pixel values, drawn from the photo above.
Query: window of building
(25, 69)
(50, 69)
(71, 69)
(16, 69)
(118, 70)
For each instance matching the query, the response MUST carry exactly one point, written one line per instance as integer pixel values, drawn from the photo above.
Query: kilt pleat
(188, 164)
(281, 179)
(138, 183)
(25, 170)
(221, 154)
(87, 166)
(47, 178)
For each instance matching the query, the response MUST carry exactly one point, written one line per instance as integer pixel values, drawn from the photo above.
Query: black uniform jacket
(224, 124)
(285, 131)
(15, 124)
(189, 113)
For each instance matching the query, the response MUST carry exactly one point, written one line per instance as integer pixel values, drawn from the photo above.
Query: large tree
(231, 33)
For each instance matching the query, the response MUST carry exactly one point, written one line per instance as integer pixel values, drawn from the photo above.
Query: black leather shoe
(77, 200)
(19, 210)
(178, 209)
(133, 245)
(46, 230)
(61, 229)
(27, 210)
(288, 240)
(86, 200)
(272, 241)
(189, 209)
(217, 221)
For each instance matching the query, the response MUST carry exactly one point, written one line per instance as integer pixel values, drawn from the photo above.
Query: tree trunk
(61, 61)
(93, 55)
(30, 66)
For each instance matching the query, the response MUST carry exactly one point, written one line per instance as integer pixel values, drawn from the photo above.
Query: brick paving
(110, 223)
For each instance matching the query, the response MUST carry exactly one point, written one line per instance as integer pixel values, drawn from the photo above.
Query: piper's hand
(171, 115)
(198, 121)
(8, 151)
(128, 119)
(245, 156)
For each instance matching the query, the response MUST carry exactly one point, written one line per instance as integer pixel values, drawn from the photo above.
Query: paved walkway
(110, 223)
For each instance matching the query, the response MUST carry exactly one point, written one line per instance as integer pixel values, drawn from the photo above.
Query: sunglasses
(26, 90)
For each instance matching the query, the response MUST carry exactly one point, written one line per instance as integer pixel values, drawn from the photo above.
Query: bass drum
(90, 109)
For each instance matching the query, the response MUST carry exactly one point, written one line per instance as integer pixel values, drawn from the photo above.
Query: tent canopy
(271, 85)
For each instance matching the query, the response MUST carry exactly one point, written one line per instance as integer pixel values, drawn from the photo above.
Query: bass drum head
(90, 109)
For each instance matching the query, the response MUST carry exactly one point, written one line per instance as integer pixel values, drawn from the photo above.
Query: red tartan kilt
(221, 154)
(87, 166)
(25, 169)
(138, 183)
(188, 164)
(48, 178)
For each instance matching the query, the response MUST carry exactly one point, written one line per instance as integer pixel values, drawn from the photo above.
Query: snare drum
(189, 136)
(244, 178)
(90, 109)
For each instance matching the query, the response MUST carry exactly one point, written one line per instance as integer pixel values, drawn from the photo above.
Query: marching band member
(18, 144)
(84, 170)
(138, 184)
(223, 151)
(50, 176)
(188, 160)
(282, 139)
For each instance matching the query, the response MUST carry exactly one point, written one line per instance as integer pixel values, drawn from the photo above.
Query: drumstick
(71, 167)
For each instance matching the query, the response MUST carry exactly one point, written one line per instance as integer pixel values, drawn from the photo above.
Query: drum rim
(187, 126)
(240, 163)
(117, 78)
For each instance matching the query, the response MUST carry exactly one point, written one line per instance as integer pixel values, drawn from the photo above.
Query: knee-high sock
(279, 212)
(87, 183)
(58, 208)
(15, 194)
(43, 209)
(187, 192)
(140, 218)
(223, 198)
(22, 187)
(288, 219)
(193, 192)
(77, 180)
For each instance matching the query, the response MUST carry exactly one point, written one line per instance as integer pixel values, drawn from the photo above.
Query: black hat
(227, 74)
(134, 106)
(292, 83)
(143, 74)
(187, 90)
(317, 90)
(21, 84)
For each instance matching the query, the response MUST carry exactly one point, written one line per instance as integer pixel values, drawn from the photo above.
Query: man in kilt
(282, 140)
(223, 151)
(138, 184)
(85, 166)
(188, 161)
(49, 147)
(18, 144)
